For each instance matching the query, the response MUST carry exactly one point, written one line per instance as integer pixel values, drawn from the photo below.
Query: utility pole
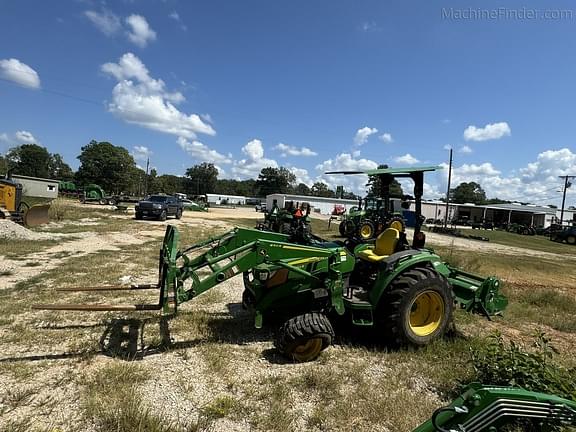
(567, 184)
(146, 178)
(448, 191)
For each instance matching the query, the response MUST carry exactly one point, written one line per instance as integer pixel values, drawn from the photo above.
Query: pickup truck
(159, 207)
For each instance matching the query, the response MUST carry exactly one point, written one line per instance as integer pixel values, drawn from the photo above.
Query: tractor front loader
(409, 294)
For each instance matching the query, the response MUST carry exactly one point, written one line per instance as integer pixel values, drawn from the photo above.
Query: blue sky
(309, 85)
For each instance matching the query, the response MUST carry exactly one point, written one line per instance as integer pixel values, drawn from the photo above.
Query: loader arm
(486, 408)
(186, 274)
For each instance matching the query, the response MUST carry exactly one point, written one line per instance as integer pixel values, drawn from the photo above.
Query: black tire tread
(308, 325)
(392, 301)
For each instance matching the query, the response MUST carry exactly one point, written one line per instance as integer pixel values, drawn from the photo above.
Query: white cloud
(142, 100)
(251, 166)
(18, 138)
(447, 147)
(363, 134)
(139, 31)
(407, 159)
(20, 73)
(386, 137)
(537, 182)
(346, 162)
(489, 132)
(105, 21)
(25, 137)
(465, 149)
(302, 176)
(176, 17)
(201, 152)
(286, 150)
(141, 153)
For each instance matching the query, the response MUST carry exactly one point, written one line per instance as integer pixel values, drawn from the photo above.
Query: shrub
(511, 364)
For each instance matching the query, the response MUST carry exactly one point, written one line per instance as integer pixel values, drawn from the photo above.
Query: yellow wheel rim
(426, 313)
(366, 231)
(308, 350)
(397, 225)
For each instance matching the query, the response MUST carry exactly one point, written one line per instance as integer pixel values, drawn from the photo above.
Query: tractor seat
(384, 246)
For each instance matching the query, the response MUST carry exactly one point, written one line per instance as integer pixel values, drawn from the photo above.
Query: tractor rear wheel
(285, 228)
(417, 308)
(303, 337)
(397, 223)
(366, 230)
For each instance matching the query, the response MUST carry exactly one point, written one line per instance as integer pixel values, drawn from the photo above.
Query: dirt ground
(207, 369)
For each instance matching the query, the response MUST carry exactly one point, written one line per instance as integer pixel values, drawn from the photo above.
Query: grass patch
(539, 243)
(542, 306)
(111, 401)
(16, 249)
(223, 406)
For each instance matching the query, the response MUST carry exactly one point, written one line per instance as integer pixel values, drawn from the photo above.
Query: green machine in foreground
(303, 284)
(488, 408)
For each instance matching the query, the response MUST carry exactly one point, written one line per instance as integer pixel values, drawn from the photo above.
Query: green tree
(321, 189)
(468, 193)
(302, 189)
(3, 165)
(112, 167)
(375, 186)
(202, 179)
(274, 180)
(168, 184)
(29, 160)
(59, 169)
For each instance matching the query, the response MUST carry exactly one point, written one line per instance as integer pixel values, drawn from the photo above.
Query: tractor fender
(398, 263)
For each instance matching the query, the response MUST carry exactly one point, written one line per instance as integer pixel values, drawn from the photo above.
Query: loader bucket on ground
(37, 215)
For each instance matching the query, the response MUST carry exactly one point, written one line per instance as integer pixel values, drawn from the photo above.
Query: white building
(220, 199)
(320, 205)
(538, 216)
(37, 187)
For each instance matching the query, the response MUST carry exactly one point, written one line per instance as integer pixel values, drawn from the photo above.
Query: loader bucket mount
(167, 285)
(36, 215)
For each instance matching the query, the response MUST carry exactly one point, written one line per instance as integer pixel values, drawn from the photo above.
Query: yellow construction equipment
(12, 206)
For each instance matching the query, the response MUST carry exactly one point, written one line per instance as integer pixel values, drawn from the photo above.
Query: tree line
(115, 170)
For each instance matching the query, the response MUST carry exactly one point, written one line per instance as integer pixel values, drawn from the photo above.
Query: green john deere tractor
(370, 218)
(303, 283)
(289, 220)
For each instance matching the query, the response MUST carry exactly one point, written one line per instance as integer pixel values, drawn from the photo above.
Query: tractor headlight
(157, 206)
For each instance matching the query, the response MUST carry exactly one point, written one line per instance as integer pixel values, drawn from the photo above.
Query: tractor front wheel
(571, 240)
(342, 228)
(366, 230)
(417, 308)
(303, 337)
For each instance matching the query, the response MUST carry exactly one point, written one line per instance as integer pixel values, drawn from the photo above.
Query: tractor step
(360, 308)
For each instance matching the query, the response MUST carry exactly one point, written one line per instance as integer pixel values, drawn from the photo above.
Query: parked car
(261, 207)
(567, 235)
(159, 207)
